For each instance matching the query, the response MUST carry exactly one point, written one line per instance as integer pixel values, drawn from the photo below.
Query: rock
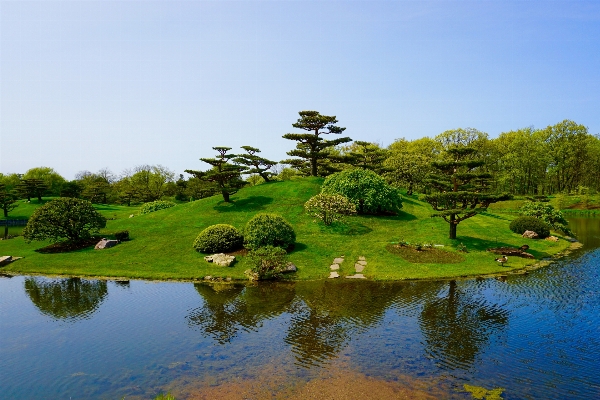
(356, 276)
(334, 267)
(530, 235)
(333, 274)
(362, 262)
(290, 267)
(106, 244)
(361, 258)
(570, 239)
(228, 279)
(552, 238)
(338, 260)
(207, 277)
(131, 215)
(220, 259)
(359, 267)
(5, 260)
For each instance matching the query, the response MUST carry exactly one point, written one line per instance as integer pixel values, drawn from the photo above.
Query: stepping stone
(334, 267)
(359, 267)
(361, 258)
(333, 274)
(338, 260)
(356, 276)
(362, 262)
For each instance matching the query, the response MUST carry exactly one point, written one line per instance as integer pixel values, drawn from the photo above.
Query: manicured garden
(161, 241)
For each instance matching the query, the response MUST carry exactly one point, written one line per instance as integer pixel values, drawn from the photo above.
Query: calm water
(535, 336)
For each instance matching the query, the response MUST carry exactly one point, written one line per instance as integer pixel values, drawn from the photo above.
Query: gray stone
(334, 267)
(207, 277)
(131, 215)
(333, 274)
(338, 260)
(362, 262)
(290, 267)
(220, 259)
(356, 276)
(530, 235)
(359, 267)
(362, 258)
(106, 244)
(5, 260)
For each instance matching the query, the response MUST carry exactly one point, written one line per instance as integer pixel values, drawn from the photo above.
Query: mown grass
(161, 242)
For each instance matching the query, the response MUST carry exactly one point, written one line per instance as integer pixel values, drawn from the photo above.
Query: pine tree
(462, 187)
(256, 164)
(224, 174)
(8, 200)
(32, 188)
(311, 147)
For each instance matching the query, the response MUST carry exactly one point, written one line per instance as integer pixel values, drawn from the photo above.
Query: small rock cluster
(530, 235)
(359, 267)
(220, 259)
(106, 244)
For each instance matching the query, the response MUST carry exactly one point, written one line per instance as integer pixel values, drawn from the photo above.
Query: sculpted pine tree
(32, 188)
(8, 200)
(462, 187)
(256, 164)
(311, 147)
(225, 175)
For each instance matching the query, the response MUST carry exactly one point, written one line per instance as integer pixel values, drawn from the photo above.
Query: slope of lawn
(161, 242)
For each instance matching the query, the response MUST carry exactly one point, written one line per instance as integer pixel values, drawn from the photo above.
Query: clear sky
(92, 84)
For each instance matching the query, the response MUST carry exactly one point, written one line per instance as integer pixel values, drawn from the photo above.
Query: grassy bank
(161, 245)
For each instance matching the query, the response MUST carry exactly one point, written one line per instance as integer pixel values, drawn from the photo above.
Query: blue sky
(92, 84)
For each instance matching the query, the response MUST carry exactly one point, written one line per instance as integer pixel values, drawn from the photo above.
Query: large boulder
(106, 244)
(530, 235)
(5, 260)
(220, 259)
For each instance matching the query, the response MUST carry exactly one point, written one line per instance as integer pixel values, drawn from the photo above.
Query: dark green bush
(147, 208)
(122, 235)
(268, 230)
(218, 238)
(267, 263)
(522, 224)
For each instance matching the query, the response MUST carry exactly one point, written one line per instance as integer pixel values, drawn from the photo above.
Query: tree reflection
(68, 299)
(229, 308)
(457, 327)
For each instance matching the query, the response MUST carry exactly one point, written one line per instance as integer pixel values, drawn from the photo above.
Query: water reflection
(68, 299)
(458, 326)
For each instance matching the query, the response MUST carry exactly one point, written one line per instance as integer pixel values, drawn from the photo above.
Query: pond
(8, 232)
(533, 336)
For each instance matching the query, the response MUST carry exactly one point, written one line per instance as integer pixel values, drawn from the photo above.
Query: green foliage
(156, 206)
(218, 239)
(521, 224)
(28, 188)
(64, 218)
(366, 155)
(163, 396)
(255, 164)
(368, 191)
(268, 230)
(329, 208)
(312, 149)
(52, 180)
(122, 235)
(267, 263)
(546, 213)
(481, 393)
(8, 200)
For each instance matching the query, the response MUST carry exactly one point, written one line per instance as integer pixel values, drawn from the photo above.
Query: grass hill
(161, 242)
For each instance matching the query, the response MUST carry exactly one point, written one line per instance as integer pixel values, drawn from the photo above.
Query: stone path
(359, 267)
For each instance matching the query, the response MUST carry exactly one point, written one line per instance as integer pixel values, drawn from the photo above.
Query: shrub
(369, 192)
(147, 208)
(522, 224)
(268, 230)
(329, 207)
(122, 235)
(218, 238)
(267, 263)
(64, 218)
(546, 213)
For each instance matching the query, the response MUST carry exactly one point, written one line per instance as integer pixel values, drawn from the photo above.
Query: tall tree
(462, 187)
(311, 147)
(52, 179)
(29, 188)
(367, 155)
(8, 200)
(224, 174)
(256, 164)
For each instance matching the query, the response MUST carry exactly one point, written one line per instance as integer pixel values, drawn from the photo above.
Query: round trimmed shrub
(218, 239)
(521, 224)
(147, 208)
(268, 230)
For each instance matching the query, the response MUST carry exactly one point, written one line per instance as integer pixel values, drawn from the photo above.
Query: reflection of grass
(425, 255)
(161, 245)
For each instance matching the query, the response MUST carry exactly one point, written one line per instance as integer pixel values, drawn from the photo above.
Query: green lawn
(161, 245)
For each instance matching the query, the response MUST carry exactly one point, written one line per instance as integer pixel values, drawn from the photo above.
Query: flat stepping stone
(359, 267)
(361, 262)
(356, 276)
(338, 260)
(334, 267)
(361, 258)
(333, 274)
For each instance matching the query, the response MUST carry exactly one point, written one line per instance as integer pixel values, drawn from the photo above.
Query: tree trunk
(225, 196)
(5, 212)
(452, 226)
